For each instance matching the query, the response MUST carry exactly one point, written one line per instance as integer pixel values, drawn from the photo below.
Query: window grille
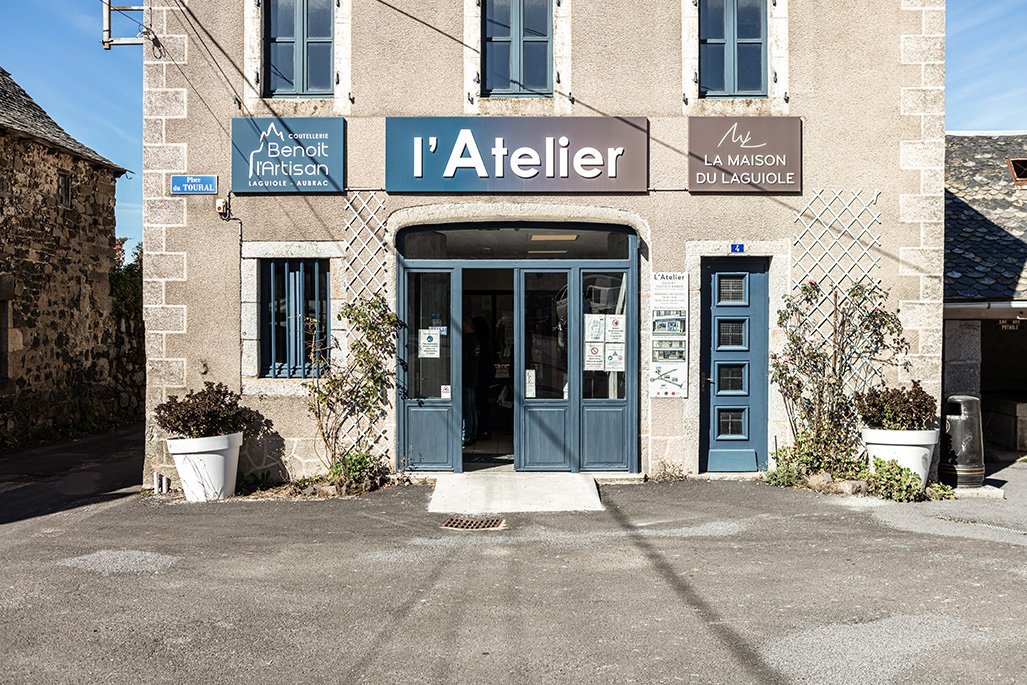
(294, 313)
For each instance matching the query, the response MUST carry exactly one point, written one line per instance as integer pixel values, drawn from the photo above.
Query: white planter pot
(912, 449)
(206, 466)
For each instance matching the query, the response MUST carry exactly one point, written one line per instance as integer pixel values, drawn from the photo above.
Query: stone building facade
(870, 205)
(986, 279)
(65, 363)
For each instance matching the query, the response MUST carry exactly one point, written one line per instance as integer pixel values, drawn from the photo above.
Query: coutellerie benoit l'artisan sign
(745, 155)
(288, 155)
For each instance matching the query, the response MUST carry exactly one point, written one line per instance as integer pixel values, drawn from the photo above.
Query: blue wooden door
(734, 364)
(545, 385)
(429, 371)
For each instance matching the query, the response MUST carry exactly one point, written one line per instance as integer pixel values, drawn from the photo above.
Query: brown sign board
(745, 155)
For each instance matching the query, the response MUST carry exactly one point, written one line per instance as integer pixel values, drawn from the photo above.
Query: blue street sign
(737, 248)
(194, 185)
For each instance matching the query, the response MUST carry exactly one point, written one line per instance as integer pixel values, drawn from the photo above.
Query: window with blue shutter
(298, 48)
(294, 316)
(733, 48)
(517, 47)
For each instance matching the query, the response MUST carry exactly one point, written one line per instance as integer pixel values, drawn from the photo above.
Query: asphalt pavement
(692, 581)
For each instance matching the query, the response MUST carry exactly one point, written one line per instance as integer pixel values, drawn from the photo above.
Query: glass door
(429, 372)
(545, 387)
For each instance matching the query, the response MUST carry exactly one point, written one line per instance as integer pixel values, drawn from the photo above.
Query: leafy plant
(786, 475)
(897, 408)
(891, 481)
(212, 411)
(127, 283)
(939, 491)
(349, 398)
(818, 374)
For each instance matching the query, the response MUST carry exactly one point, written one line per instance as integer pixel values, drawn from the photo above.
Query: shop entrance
(521, 353)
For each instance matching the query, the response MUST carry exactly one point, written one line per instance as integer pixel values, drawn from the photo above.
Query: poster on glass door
(668, 364)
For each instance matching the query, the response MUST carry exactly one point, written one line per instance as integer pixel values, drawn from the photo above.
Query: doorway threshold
(501, 493)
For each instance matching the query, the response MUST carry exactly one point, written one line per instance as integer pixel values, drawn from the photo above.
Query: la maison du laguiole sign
(745, 155)
(516, 154)
(288, 155)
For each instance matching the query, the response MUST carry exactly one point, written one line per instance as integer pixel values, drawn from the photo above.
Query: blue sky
(52, 48)
(986, 73)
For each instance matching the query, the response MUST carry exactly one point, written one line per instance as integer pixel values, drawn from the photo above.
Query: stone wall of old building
(69, 364)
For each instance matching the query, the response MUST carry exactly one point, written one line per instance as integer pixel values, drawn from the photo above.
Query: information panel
(668, 297)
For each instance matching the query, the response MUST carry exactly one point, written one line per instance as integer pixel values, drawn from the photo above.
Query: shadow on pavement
(44, 480)
(747, 656)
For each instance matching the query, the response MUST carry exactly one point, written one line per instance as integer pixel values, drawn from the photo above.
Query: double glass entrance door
(565, 377)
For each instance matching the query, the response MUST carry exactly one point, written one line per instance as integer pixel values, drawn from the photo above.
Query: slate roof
(985, 220)
(19, 112)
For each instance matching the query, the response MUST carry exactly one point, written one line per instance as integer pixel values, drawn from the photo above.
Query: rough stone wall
(67, 367)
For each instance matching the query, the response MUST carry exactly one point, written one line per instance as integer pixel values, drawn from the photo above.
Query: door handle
(704, 380)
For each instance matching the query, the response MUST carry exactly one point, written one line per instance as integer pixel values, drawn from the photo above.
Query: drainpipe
(987, 310)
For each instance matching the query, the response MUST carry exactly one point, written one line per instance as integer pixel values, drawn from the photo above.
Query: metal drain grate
(474, 523)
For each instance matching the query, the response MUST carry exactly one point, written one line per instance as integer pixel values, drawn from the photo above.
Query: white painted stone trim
(300, 249)
(249, 310)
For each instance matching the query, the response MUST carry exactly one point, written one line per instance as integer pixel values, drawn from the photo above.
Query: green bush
(206, 413)
(786, 475)
(940, 491)
(894, 482)
(359, 472)
(897, 408)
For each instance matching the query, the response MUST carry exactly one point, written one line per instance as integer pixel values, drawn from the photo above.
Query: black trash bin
(962, 459)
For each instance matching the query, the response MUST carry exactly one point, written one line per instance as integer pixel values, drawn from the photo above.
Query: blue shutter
(733, 48)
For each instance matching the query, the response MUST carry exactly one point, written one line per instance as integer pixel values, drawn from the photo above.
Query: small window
(730, 378)
(731, 289)
(1018, 168)
(294, 316)
(298, 48)
(732, 48)
(517, 47)
(64, 189)
(731, 334)
(730, 423)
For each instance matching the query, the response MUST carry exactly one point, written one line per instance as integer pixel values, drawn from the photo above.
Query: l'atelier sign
(516, 154)
(745, 155)
(288, 155)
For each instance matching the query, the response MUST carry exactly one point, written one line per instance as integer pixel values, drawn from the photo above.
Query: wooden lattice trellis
(836, 248)
(369, 261)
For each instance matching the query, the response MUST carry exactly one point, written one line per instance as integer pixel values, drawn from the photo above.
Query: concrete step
(502, 493)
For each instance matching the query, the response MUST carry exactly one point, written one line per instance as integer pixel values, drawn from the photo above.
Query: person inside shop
(471, 368)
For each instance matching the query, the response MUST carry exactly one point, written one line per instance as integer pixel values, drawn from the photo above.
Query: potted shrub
(205, 431)
(898, 427)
